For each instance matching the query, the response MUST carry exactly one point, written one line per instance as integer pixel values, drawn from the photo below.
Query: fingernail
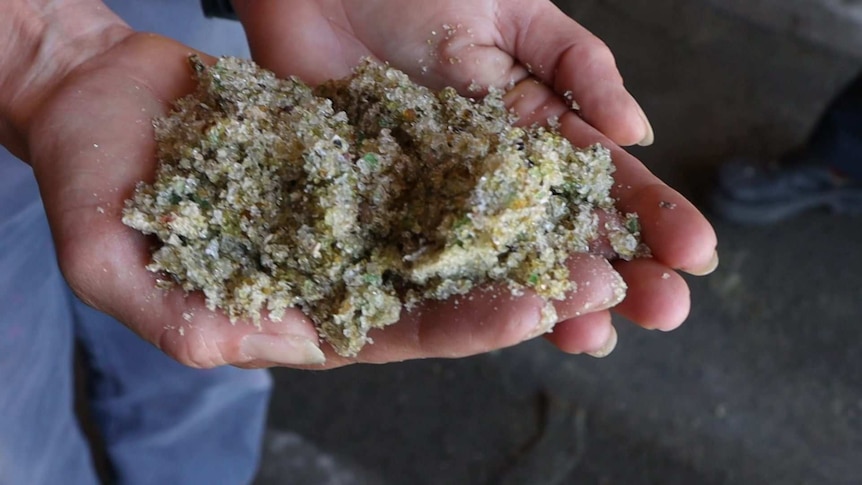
(649, 138)
(282, 349)
(709, 268)
(608, 347)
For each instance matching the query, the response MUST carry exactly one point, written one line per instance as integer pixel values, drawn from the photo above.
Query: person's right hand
(551, 60)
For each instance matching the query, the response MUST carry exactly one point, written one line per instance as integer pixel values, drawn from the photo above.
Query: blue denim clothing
(162, 423)
(837, 137)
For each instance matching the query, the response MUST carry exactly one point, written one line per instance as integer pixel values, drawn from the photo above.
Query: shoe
(748, 192)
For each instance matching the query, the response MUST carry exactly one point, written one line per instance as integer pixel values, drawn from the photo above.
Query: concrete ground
(763, 385)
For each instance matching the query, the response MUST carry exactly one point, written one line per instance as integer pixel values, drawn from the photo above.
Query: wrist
(45, 40)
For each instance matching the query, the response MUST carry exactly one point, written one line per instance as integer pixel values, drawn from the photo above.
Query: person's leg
(837, 138)
(825, 173)
(163, 422)
(184, 21)
(40, 441)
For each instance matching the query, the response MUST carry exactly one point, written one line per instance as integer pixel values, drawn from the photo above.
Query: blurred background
(763, 385)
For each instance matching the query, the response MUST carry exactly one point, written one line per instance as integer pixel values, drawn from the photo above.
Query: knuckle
(595, 55)
(190, 352)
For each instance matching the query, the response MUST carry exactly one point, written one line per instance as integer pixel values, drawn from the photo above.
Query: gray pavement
(763, 385)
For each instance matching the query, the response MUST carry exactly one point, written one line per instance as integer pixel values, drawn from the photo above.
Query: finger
(676, 232)
(672, 227)
(657, 298)
(593, 334)
(570, 59)
(598, 287)
(199, 337)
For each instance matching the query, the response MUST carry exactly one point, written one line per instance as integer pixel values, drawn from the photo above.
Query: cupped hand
(553, 64)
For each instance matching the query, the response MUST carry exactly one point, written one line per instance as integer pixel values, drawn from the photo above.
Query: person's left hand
(551, 61)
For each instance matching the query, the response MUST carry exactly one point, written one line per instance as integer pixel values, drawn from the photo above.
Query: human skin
(79, 88)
